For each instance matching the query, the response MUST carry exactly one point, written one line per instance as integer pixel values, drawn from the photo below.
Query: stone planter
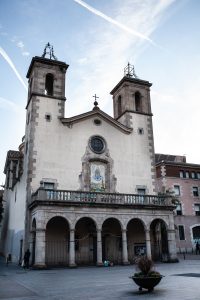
(147, 282)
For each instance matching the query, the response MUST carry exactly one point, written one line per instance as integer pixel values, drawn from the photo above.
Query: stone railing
(107, 198)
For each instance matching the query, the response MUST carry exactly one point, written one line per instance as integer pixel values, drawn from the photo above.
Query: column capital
(40, 229)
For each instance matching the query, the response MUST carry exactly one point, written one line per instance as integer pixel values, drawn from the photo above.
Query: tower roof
(131, 80)
(45, 61)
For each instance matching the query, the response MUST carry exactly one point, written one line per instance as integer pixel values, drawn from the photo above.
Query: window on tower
(49, 84)
(138, 106)
(119, 105)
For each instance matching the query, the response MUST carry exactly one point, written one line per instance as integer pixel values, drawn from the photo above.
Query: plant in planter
(147, 277)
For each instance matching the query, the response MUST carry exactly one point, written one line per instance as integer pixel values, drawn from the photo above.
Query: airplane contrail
(9, 61)
(105, 17)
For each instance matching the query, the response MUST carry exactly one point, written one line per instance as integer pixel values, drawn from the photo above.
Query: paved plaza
(181, 281)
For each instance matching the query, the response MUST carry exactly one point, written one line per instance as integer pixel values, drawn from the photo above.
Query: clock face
(97, 144)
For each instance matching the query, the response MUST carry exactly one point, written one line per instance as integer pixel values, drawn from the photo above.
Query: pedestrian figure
(197, 248)
(26, 258)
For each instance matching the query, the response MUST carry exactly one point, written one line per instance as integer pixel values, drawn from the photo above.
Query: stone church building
(81, 190)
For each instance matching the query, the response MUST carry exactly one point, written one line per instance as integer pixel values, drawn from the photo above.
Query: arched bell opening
(85, 242)
(112, 241)
(57, 242)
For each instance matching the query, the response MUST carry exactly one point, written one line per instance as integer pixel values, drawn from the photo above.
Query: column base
(99, 264)
(39, 267)
(126, 263)
(72, 266)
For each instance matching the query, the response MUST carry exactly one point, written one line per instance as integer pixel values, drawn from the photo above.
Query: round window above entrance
(97, 144)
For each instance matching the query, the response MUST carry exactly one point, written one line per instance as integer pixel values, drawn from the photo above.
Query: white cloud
(20, 44)
(25, 53)
(9, 61)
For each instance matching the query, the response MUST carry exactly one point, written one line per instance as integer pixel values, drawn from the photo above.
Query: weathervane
(49, 50)
(129, 71)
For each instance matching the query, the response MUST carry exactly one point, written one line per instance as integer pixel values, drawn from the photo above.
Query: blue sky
(97, 38)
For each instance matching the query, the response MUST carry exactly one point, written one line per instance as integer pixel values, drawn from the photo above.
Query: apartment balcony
(96, 199)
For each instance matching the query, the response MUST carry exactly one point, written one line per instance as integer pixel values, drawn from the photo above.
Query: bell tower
(131, 96)
(47, 78)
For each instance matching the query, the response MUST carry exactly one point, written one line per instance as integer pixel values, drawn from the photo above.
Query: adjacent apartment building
(174, 174)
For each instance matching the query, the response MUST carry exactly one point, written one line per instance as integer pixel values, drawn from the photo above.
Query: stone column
(148, 243)
(99, 248)
(40, 249)
(172, 245)
(124, 248)
(72, 263)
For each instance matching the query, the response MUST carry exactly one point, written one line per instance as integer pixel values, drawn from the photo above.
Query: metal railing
(96, 197)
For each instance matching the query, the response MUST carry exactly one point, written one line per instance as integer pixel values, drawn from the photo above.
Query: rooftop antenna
(48, 50)
(129, 71)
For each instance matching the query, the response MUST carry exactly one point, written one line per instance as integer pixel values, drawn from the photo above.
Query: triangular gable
(98, 113)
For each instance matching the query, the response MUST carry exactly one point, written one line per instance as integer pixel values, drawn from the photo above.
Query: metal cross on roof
(95, 102)
(48, 50)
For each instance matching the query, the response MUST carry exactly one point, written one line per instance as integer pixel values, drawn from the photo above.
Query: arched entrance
(112, 241)
(136, 241)
(57, 241)
(85, 242)
(159, 240)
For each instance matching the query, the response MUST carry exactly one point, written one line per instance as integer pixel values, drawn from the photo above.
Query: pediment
(96, 112)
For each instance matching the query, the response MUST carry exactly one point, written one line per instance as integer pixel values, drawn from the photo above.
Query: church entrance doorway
(112, 241)
(57, 242)
(159, 240)
(135, 239)
(85, 242)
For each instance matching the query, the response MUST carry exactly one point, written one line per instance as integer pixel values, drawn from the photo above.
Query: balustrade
(106, 198)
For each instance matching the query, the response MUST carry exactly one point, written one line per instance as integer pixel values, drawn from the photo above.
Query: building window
(179, 210)
(138, 101)
(187, 175)
(97, 122)
(181, 232)
(193, 175)
(97, 144)
(48, 185)
(119, 105)
(140, 131)
(141, 192)
(195, 191)
(176, 190)
(198, 175)
(49, 84)
(48, 117)
(197, 209)
(181, 174)
(196, 232)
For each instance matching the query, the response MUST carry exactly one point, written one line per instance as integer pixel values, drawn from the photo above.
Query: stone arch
(136, 240)
(112, 240)
(51, 216)
(159, 239)
(57, 241)
(85, 241)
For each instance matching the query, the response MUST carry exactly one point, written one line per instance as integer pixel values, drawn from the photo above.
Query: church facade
(81, 190)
